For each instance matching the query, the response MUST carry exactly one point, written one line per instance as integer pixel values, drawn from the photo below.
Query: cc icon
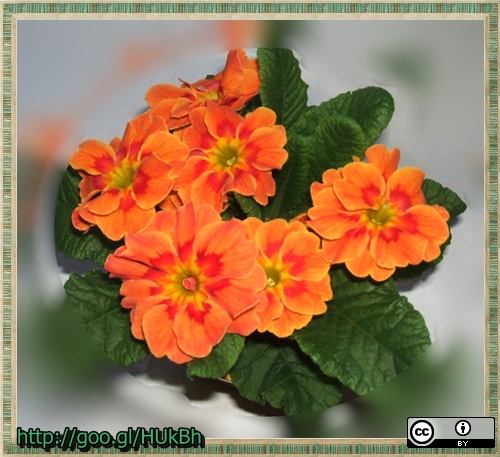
(422, 432)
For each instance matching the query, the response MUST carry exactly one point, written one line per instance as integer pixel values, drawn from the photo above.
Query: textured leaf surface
(281, 87)
(371, 107)
(73, 243)
(292, 183)
(368, 335)
(437, 194)
(249, 206)
(218, 363)
(279, 373)
(333, 144)
(96, 299)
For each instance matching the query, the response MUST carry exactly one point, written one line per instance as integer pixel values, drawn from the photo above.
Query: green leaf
(292, 183)
(368, 335)
(333, 144)
(222, 358)
(281, 86)
(249, 206)
(276, 371)
(73, 243)
(437, 194)
(371, 107)
(96, 299)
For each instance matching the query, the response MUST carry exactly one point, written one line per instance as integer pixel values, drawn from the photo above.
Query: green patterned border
(243, 446)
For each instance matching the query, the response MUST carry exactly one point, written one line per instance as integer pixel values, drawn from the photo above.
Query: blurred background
(86, 79)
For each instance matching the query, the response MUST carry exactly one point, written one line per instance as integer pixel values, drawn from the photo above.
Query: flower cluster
(191, 270)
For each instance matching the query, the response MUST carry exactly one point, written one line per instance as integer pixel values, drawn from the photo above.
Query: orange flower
(231, 153)
(233, 87)
(189, 278)
(123, 181)
(297, 283)
(375, 218)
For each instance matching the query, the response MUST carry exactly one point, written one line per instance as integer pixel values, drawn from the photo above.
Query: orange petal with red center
(244, 183)
(157, 326)
(106, 203)
(207, 188)
(220, 121)
(128, 218)
(307, 297)
(199, 330)
(288, 322)
(265, 148)
(386, 161)
(261, 117)
(223, 250)
(138, 312)
(396, 248)
(238, 295)
(126, 268)
(249, 88)
(154, 249)
(137, 131)
(136, 290)
(361, 186)
(329, 218)
(190, 221)
(366, 266)
(430, 223)
(195, 167)
(245, 323)
(160, 92)
(302, 257)
(152, 182)
(273, 310)
(349, 247)
(404, 188)
(94, 157)
(270, 236)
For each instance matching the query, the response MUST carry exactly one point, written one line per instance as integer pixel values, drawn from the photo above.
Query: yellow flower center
(208, 95)
(273, 276)
(382, 215)
(227, 153)
(123, 175)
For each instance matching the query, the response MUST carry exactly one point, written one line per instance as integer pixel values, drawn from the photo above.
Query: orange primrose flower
(189, 278)
(233, 87)
(375, 218)
(231, 153)
(123, 181)
(297, 283)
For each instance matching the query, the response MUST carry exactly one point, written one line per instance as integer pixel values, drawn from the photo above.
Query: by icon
(462, 427)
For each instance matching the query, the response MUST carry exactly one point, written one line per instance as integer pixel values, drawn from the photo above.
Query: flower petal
(386, 161)
(361, 186)
(273, 310)
(221, 121)
(302, 256)
(365, 266)
(106, 203)
(94, 157)
(404, 188)
(160, 92)
(165, 146)
(199, 330)
(307, 297)
(157, 325)
(152, 182)
(288, 322)
(329, 218)
(351, 246)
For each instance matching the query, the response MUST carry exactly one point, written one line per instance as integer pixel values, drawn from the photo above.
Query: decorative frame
(12, 12)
